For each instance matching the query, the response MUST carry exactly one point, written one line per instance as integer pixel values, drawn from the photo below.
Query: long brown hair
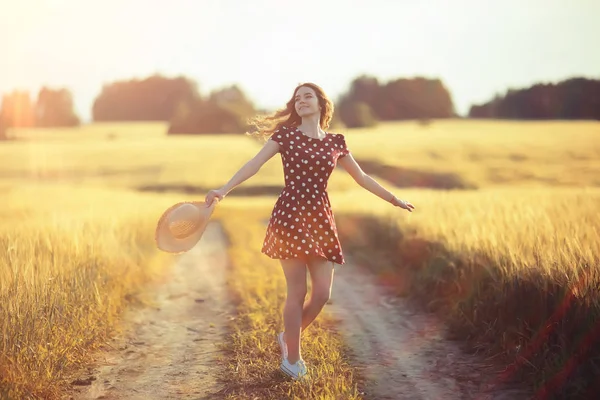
(265, 125)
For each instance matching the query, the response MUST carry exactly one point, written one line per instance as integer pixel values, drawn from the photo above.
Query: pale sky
(477, 47)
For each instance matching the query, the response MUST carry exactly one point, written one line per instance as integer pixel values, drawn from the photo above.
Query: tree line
(576, 98)
(51, 107)
(226, 110)
(368, 101)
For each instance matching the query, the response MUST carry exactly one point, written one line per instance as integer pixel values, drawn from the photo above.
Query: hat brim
(165, 241)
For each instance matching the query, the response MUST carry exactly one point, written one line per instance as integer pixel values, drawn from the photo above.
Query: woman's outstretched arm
(245, 172)
(364, 180)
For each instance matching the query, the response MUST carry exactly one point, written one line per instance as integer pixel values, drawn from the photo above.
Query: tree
(365, 89)
(155, 98)
(206, 117)
(233, 99)
(355, 114)
(399, 99)
(225, 111)
(54, 107)
(416, 98)
(16, 111)
(3, 129)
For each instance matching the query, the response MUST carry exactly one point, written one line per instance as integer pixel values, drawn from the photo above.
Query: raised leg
(321, 275)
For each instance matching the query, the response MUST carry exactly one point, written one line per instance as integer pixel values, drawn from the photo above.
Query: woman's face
(307, 102)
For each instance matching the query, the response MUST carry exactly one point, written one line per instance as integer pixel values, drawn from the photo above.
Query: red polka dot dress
(302, 223)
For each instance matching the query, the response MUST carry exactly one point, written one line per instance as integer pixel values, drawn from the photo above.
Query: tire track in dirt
(169, 351)
(403, 354)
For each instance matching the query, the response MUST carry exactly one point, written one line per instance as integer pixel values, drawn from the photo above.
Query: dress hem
(302, 257)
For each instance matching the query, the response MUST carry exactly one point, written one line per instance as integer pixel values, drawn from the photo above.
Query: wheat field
(482, 154)
(499, 153)
(78, 213)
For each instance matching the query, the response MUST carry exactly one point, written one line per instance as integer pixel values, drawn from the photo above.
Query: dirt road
(169, 351)
(404, 354)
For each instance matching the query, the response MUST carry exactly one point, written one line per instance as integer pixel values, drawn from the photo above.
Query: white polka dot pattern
(302, 223)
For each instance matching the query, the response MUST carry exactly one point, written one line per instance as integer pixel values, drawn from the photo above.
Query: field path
(169, 350)
(401, 353)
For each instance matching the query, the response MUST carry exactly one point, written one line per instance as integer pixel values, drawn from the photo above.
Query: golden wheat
(513, 270)
(534, 227)
(479, 153)
(71, 257)
(488, 153)
(74, 252)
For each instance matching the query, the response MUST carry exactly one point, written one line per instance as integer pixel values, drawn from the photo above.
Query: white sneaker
(296, 371)
(282, 345)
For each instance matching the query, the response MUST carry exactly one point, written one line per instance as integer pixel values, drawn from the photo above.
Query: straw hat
(181, 226)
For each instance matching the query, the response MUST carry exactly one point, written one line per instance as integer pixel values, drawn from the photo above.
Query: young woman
(302, 232)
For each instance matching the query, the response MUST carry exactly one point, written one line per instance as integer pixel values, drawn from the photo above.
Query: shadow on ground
(257, 190)
(398, 176)
(407, 177)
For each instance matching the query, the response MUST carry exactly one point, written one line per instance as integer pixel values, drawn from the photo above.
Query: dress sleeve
(278, 137)
(343, 148)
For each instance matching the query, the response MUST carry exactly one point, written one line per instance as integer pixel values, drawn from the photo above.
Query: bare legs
(321, 275)
(298, 315)
(295, 276)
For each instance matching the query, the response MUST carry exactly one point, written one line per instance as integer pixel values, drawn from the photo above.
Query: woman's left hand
(402, 204)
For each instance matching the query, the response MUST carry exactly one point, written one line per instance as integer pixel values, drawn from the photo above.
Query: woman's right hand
(218, 194)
